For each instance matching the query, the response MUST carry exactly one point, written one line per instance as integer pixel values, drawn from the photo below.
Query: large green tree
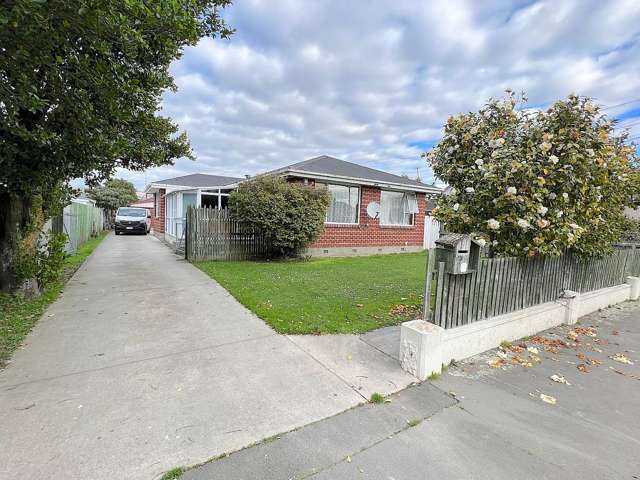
(115, 193)
(80, 87)
(536, 182)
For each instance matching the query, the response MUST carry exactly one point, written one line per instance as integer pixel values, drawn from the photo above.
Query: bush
(43, 261)
(631, 233)
(290, 215)
(535, 182)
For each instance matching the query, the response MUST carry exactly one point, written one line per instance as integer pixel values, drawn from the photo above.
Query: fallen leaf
(559, 379)
(521, 361)
(583, 368)
(622, 358)
(497, 363)
(548, 399)
(533, 350)
(615, 332)
(359, 305)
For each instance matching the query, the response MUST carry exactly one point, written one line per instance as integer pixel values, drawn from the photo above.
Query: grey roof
(200, 180)
(327, 165)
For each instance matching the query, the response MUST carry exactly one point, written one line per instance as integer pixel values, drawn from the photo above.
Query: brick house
(371, 211)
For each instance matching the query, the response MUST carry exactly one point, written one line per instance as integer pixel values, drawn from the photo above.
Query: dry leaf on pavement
(583, 368)
(559, 379)
(548, 399)
(622, 358)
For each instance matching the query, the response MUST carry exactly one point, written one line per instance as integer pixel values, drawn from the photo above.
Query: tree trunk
(14, 220)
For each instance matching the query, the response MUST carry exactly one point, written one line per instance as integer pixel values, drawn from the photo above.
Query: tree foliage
(80, 88)
(535, 182)
(113, 194)
(81, 82)
(290, 215)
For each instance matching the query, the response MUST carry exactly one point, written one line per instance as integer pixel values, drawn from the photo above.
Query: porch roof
(195, 180)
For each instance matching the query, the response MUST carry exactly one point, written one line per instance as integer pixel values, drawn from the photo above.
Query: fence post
(426, 314)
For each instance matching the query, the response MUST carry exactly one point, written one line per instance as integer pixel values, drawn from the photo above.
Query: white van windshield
(131, 212)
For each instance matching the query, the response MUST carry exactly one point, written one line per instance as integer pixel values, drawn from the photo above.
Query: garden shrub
(290, 215)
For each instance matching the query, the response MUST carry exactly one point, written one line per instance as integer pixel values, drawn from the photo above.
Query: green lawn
(329, 295)
(18, 316)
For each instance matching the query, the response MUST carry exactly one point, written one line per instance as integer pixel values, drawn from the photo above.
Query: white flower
(450, 150)
(494, 243)
(599, 197)
(456, 207)
(469, 189)
(500, 142)
(479, 162)
(575, 226)
(493, 224)
(542, 210)
(522, 223)
(545, 146)
(553, 159)
(565, 195)
(559, 214)
(552, 196)
(481, 241)
(512, 190)
(590, 152)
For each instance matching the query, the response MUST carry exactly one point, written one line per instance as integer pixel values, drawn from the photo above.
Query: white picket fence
(431, 232)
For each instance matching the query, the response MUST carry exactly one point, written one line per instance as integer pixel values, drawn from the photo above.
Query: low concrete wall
(425, 347)
(593, 301)
(477, 337)
(355, 251)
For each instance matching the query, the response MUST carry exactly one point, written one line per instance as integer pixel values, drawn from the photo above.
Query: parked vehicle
(132, 220)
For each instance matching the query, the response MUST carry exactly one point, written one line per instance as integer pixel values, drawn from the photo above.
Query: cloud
(373, 82)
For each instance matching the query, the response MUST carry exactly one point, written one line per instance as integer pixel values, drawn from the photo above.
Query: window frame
(412, 216)
(357, 222)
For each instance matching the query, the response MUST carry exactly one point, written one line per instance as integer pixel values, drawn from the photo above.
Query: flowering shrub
(535, 182)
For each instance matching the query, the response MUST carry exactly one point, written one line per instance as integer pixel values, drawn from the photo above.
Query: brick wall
(157, 223)
(369, 233)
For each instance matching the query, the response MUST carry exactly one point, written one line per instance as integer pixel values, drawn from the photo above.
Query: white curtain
(344, 203)
(397, 208)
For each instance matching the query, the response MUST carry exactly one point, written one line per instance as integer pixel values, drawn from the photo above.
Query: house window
(398, 208)
(345, 202)
(155, 205)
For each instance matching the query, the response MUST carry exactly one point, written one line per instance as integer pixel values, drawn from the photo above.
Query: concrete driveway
(145, 364)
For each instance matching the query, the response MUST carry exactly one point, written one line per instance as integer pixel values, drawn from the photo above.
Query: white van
(132, 220)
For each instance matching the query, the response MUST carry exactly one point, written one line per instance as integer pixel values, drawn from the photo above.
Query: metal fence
(212, 234)
(79, 221)
(503, 285)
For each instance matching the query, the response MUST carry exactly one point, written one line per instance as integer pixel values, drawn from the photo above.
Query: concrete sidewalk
(482, 422)
(145, 364)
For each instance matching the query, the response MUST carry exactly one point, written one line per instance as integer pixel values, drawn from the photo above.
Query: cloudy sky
(373, 81)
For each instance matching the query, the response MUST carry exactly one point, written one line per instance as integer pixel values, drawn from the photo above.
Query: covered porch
(178, 201)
